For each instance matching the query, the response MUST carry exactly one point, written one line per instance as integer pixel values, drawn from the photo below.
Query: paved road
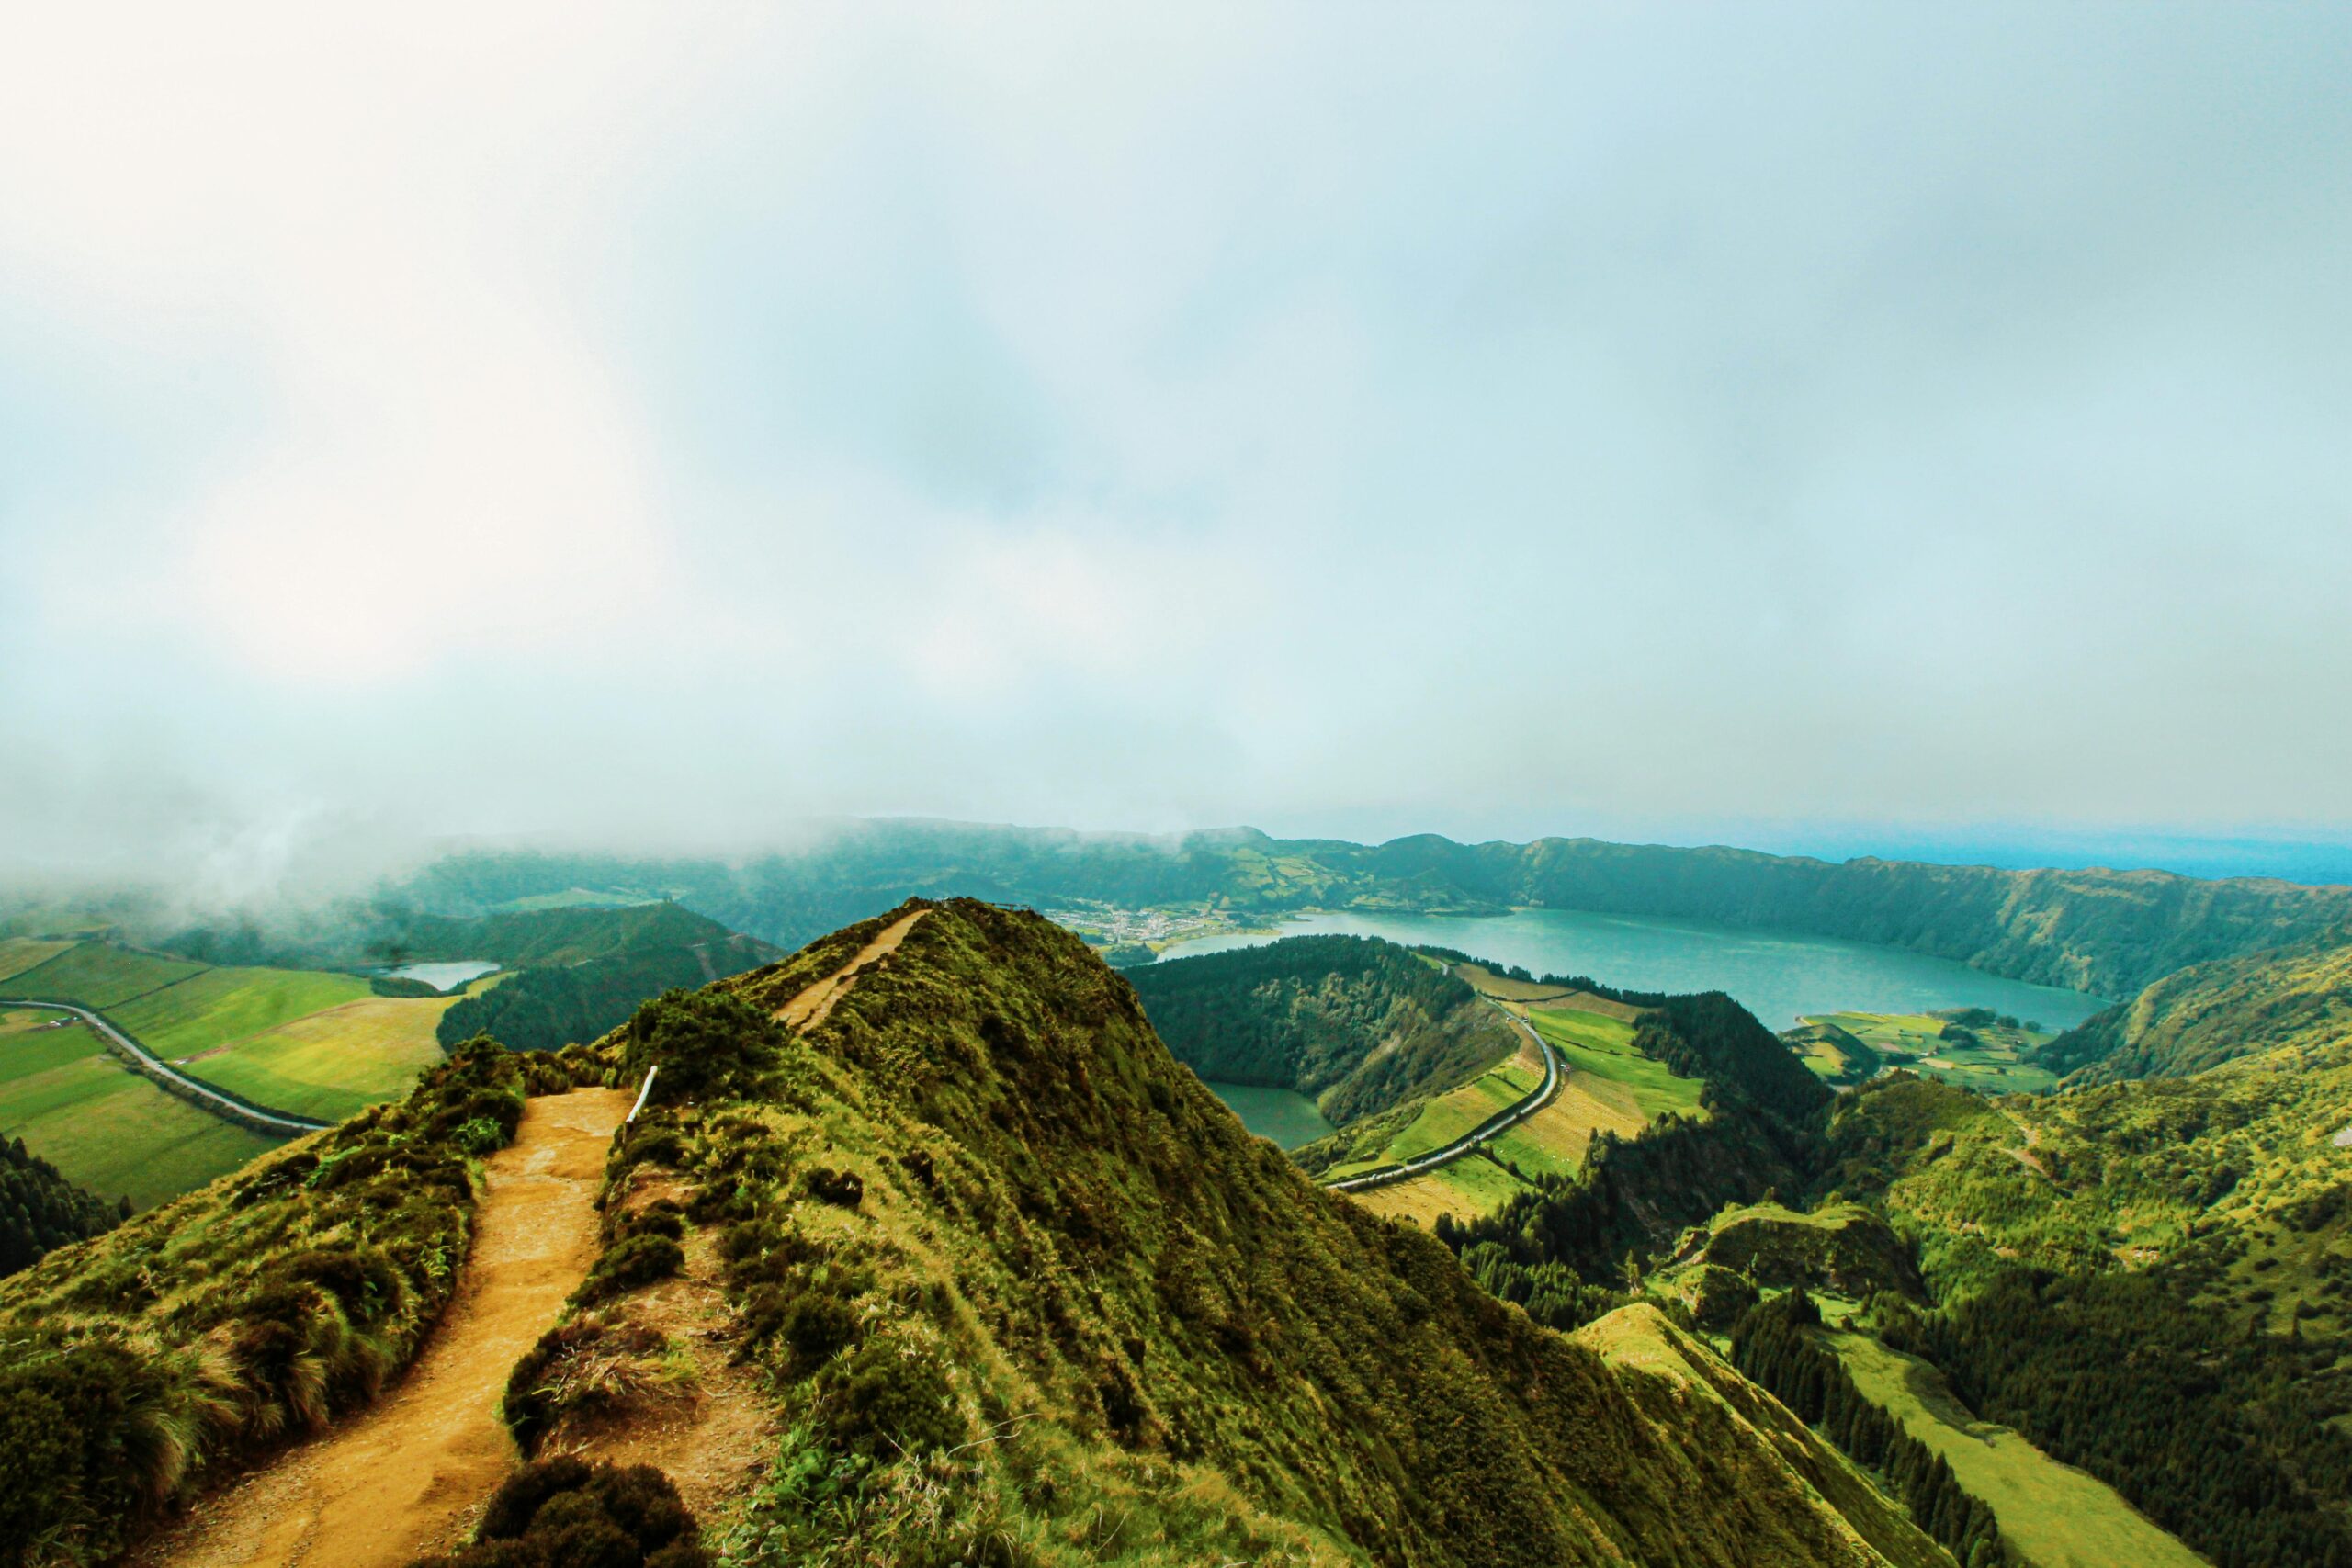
(204, 1094)
(1419, 1164)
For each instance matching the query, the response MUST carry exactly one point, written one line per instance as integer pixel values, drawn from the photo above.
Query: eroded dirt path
(810, 1006)
(406, 1478)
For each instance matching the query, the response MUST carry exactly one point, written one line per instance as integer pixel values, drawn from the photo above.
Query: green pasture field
(1470, 1185)
(108, 1129)
(337, 1061)
(2056, 1516)
(98, 975)
(2002, 1063)
(221, 1006)
(1589, 1042)
(20, 954)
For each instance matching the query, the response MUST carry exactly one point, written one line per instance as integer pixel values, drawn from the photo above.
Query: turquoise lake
(1285, 1115)
(1778, 976)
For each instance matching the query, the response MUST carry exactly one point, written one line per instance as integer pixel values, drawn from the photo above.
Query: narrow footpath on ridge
(407, 1477)
(810, 1008)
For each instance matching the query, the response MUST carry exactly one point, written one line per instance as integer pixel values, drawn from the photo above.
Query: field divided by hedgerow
(98, 975)
(108, 1129)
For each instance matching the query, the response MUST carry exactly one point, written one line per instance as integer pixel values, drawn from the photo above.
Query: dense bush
(708, 1043)
(628, 1264)
(588, 1367)
(40, 1210)
(889, 1398)
(564, 1512)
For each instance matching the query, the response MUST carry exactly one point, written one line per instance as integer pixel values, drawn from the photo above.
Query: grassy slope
(221, 1006)
(20, 954)
(98, 975)
(2212, 1172)
(337, 1063)
(2057, 1516)
(208, 1331)
(1609, 1088)
(1603, 1047)
(107, 1129)
(1187, 1352)
(2214, 1013)
(1689, 1387)
(2002, 1063)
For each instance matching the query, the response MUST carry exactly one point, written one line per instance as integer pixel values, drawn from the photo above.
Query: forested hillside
(2213, 1013)
(2106, 932)
(1364, 1025)
(2150, 1280)
(40, 1210)
(583, 971)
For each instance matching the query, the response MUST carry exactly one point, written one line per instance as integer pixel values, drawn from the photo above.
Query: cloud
(665, 422)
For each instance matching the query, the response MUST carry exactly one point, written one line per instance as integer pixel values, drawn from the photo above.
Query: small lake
(1778, 976)
(444, 976)
(1285, 1115)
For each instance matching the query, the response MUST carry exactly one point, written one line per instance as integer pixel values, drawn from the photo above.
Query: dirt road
(408, 1477)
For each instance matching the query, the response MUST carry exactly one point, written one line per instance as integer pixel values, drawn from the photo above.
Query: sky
(1829, 427)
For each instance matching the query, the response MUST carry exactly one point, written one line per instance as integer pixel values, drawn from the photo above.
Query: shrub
(587, 1367)
(563, 1512)
(891, 1397)
(481, 1136)
(706, 1042)
(842, 1188)
(628, 1263)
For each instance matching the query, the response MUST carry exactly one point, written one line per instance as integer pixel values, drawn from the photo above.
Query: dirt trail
(810, 1006)
(406, 1478)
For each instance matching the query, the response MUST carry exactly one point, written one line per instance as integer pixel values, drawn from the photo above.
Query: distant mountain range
(2110, 932)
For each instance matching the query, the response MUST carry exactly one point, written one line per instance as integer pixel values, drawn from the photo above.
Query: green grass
(2002, 1063)
(2057, 1516)
(1604, 1047)
(105, 1128)
(335, 1063)
(98, 975)
(33, 1041)
(221, 1006)
(1458, 1111)
(20, 954)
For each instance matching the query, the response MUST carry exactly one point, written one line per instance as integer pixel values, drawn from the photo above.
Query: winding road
(194, 1090)
(1487, 1132)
